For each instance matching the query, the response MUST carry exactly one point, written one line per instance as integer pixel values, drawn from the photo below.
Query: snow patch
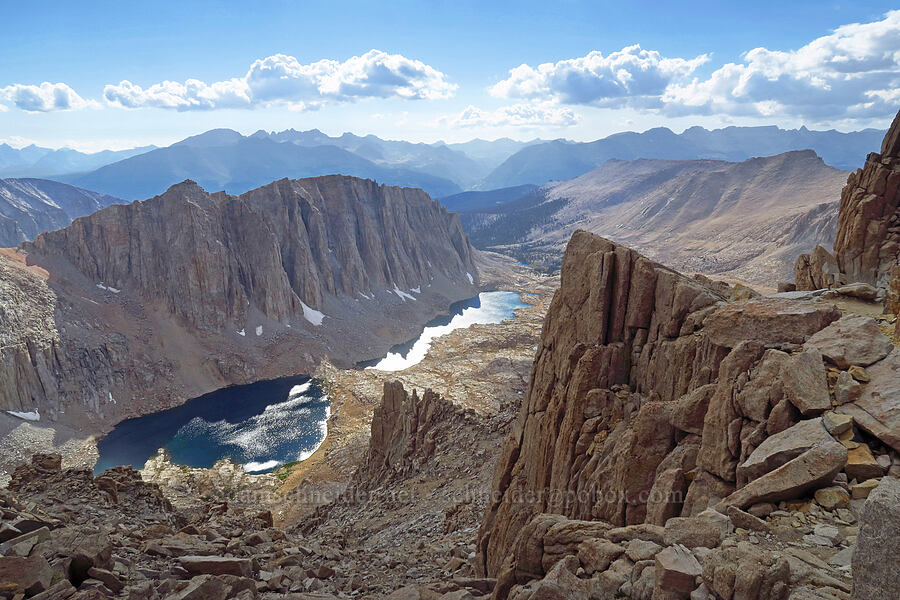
(108, 288)
(471, 279)
(417, 289)
(242, 333)
(259, 330)
(403, 295)
(312, 315)
(255, 467)
(494, 307)
(28, 416)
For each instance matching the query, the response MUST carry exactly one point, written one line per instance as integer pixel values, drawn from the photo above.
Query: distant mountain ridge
(31, 206)
(34, 161)
(560, 160)
(746, 220)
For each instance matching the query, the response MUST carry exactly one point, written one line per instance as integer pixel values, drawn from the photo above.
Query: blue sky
(115, 74)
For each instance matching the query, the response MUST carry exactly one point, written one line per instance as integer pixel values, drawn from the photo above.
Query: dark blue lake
(259, 426)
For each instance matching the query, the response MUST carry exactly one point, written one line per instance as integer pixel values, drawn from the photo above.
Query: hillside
(30, 206)
(747, 220)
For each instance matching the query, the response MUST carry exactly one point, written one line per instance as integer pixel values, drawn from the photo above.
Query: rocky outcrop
(405, 431)
(653, 399)
(877, 552)
(138, 307)
(867, 242)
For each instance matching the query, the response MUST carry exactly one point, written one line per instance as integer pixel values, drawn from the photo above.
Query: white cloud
(851, 73)
(45, 97)
(282, 79)
(624, 77)
(516, 115)
(854, 72)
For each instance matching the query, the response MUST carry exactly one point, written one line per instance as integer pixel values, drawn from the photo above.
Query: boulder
(782, 447)
(812, 469)
(863, 291)
(862, 490)
(746, 572)
(29, 575)
(832, 498)
(851, 340)
(216, 565)
(707, 529)
(805, 383)
(745, 520)
(877, 555)
(597, 554)
(677, 571)
(861, 464)
(877, 410)
(837, 423)
(846, 389)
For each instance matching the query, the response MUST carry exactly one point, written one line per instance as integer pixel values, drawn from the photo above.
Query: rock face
(867, 243)
(875, 573)
(643, 376)
(138, 307)
(273, 248)
(404, 431)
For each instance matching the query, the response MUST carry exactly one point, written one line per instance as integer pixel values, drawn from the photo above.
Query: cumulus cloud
(854, 72)
(625, 77)
(851, 73)
(45, 97)
(539, 114)
(282, 79)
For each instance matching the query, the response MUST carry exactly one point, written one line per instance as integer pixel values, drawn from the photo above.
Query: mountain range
(561, 159)
(224, 159)
(34, 161)
(747, 220)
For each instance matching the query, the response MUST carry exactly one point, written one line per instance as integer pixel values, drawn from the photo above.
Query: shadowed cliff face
(162, 300)
(211, 256)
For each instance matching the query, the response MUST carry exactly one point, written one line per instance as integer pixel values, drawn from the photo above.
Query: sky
(98, 75)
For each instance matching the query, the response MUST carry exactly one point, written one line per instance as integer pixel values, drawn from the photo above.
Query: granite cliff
(162, 300)
(653, 400)
(867, 242)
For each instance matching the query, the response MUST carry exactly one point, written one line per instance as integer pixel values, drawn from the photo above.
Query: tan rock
(745, 572)
(859, 373)
(877, 410)
(677, 571)
(863, 291)
(832, 498)
(805, 384)
(783, 447)
(862, 490)
(837, 423)
(861, 464)
(851, 340)
(707, 529)
(810, 470)
(597, 554)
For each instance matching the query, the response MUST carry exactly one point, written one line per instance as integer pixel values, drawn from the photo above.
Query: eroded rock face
(867, 243)
(642, 377)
